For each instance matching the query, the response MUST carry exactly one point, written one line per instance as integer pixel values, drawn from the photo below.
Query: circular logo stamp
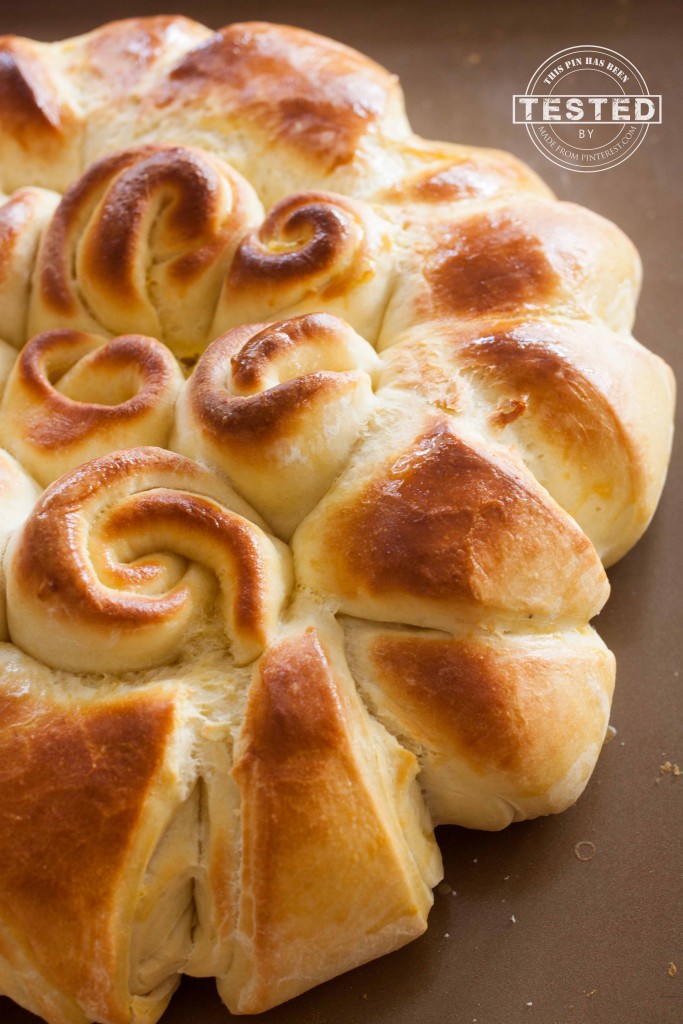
(587, 108)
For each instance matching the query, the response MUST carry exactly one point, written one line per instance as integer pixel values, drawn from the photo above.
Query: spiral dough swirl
(315, 251)
(73, 396)
(142, 242)
(277, 408)
(119, 557)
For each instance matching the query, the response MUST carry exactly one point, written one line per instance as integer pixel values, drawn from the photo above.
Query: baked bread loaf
(317, 438)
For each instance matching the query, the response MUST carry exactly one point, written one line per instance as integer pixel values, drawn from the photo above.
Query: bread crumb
(513, 919)
(584, 850)
(591, 993)
(673, 970)
(670, 769)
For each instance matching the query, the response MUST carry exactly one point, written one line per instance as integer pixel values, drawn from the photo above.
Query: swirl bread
(337, 429)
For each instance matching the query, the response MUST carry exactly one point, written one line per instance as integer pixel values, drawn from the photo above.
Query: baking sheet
(524, 930)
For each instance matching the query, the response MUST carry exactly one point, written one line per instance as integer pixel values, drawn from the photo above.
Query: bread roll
(314, 251)
(476, 707)
(98, 856)
(143, 239)
(310, 761)
(339, 429)
(278, 410)
(120, 556)
(433, 528)
(53, 92)
(587, 410)
(524, 255)
(72, 396)
(288, 108)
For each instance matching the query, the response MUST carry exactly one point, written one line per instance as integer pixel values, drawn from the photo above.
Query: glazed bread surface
(316, 438)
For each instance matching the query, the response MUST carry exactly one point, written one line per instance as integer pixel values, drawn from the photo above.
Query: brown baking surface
(532, 928)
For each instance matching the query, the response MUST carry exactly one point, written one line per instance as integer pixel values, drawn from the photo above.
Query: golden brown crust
(258, 409)
(317, 898)
(562, 394)
(142, 241)
(73, 396)
(258, 351)
(50, 94)
(90, 565)
(31, 109)
(75, 782)
(41, 129)
(447, 528)
(315, 251)
(327, 226)
(120, 55)
(489, 264)
(449, 525)
(277, 408)
(110, 248)
(316, 96)
(526, 256)
(506, 726)
(490, 706)
(54, 272)
(447, 174)
(426, 505)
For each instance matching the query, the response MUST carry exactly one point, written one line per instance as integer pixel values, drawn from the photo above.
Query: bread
(319, 437)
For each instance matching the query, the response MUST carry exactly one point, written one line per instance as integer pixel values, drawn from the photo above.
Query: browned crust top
(441, 522)
(78, 201)
(489, 703)
(252, 359)
(237, 362)
(74, 782)
(61, 422)
(542, 380)
(53, 564)
(30, 106)
(121, 52)
(490, 263)
(186, 184)
(294, 714)
(311, 239)
(317, 95)
(477, 176)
